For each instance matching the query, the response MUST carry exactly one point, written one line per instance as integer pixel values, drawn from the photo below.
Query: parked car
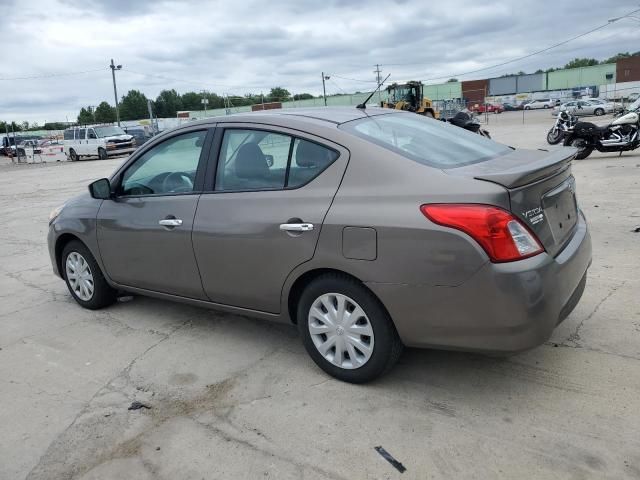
(139, 134)
(543, 103)
(369, 229)
(102, 141)
(585, 107)
(509, 107)
(489, 107)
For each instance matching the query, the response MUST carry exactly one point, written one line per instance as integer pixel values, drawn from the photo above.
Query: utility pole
(324, 90)
(115, 90)
(377, 71)
(204, 101)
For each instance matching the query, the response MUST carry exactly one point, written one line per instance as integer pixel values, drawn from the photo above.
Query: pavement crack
(574, 337)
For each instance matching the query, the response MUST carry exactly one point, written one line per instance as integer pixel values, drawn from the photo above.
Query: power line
(51, 75)
(519, 58)
(163, 77)
(352, 79)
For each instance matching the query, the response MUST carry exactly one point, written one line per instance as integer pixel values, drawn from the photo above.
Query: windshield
(427, 141)
(108, 131)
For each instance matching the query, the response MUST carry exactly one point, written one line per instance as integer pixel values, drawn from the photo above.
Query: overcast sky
(236, 47)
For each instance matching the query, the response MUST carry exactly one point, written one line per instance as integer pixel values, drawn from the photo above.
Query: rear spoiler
(518, 168)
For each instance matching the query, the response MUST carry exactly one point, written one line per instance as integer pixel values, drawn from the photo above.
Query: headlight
(55, 212)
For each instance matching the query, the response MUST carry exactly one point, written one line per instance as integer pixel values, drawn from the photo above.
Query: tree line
(133, 105)
(581, 62)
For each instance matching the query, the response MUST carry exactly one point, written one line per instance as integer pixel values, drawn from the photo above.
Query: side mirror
(269, 160)
(100, 189)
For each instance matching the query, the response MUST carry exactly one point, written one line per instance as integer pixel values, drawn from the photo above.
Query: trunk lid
(541, 190)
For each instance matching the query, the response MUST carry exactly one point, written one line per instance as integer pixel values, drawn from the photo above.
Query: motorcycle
(564, 124)
(465, 119)
(621, 135)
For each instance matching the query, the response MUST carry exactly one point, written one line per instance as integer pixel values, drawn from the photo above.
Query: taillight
(498, 232)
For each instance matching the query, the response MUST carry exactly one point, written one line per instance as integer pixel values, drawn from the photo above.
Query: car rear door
(144, 233)
(262, 216)
(81, 141)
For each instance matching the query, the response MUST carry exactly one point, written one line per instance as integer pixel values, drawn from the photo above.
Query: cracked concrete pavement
(234, 397)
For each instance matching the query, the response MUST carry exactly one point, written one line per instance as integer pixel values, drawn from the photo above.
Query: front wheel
(554, 136)
(102, 154)
(583, 149)
(84, 279)
(346, 330)
(73, 155)
(598, 112)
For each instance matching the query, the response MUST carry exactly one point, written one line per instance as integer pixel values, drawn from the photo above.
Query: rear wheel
(73, 155)
(102, 154)
(598, 111)
(554, 136)
(583, 150)
(84, 279)
(345, 329)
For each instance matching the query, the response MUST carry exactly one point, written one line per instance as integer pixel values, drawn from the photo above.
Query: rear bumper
(503, 308)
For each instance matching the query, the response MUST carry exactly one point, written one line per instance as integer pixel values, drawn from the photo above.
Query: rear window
(427, 141)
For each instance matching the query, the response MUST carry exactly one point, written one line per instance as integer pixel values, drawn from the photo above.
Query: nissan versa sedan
(370, 230)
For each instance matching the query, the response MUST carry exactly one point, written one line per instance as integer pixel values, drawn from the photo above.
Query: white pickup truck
(103, 141)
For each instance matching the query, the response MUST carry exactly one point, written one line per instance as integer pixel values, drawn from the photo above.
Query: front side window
(424, 140)
(167, 168)
(91, 133)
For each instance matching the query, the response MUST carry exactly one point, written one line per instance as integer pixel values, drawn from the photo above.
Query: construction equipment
(409, 96)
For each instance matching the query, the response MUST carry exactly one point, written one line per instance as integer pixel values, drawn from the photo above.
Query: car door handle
(296, 227)
(170, 222)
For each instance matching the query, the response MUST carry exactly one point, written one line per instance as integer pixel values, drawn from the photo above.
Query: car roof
(330, 115)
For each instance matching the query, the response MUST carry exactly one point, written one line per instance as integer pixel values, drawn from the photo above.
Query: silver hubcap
(79, 276)
(341, 331)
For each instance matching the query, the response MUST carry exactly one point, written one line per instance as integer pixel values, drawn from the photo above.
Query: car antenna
(363, 105)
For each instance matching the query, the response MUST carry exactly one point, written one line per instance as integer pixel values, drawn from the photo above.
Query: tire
(554, 138)
(598, 112)
(103, 295)
(429, 114)
(73, 155)
(546, 106)
(102, 154)
(583, 152)
(527, 108)
(386, 346)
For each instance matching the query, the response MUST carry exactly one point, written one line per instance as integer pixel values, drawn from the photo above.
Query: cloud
(250, 46)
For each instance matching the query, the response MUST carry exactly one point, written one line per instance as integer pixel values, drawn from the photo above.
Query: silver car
(585, 107)
(369, 229)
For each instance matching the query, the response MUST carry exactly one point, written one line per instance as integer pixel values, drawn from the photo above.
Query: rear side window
(263, 160)
(68, 134)
(427, 141)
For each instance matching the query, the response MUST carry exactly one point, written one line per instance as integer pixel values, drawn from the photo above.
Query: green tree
(133, 106)
(278, 94)
(581, 62)
(539, 71)
(167, 104)
(302, 96)
(192, 101)
(86, 116)
(105, 113)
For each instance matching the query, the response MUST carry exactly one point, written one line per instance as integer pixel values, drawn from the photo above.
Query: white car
(103, 141)
(542, 103)
(591, 106)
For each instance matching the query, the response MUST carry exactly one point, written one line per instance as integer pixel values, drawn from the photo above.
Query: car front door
(272, 190)
(92, 142)
(81, 141)
(144, 232)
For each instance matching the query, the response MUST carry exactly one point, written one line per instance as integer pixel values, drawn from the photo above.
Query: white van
(103, 141)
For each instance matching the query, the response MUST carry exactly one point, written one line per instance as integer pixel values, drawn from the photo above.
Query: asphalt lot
(233, 397)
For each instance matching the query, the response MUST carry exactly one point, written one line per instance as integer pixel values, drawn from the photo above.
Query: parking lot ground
(232, 397)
